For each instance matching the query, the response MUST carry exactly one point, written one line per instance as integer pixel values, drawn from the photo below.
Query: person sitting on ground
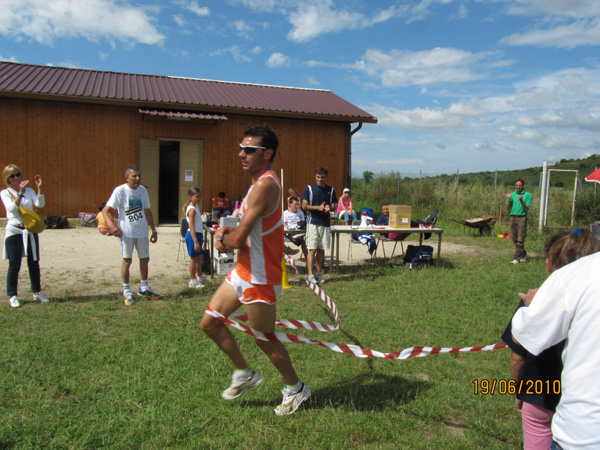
(102, 225)
(344, 208)
(220, 206)
(384, 219)
(537, 408)
(291, 220)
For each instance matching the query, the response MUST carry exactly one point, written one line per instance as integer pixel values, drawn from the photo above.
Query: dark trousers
(14, 251)
(518, 231)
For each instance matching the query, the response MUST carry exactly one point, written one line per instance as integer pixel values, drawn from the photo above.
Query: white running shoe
(41, 297)
(523, 259)
(239, 384)
(201, 279)
(196, 284)
(319, 278)
(292, 401)
(312, 279)
(515, 261)
(14, 301)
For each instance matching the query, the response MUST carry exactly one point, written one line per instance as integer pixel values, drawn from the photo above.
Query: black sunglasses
(14, 175)
(249, 149)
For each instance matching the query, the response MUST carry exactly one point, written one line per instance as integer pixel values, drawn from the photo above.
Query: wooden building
(80, 129)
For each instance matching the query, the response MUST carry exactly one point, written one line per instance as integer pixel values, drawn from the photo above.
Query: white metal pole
(574, 198)
(547, 197)
(282, 195)
(543, 197)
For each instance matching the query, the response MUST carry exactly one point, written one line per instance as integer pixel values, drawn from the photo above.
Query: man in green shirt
(518, 204)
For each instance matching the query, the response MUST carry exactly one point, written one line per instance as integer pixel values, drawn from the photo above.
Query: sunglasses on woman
(249, 149)
(14, 175)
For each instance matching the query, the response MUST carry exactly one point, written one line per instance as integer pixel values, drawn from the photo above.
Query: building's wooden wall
(81, 150)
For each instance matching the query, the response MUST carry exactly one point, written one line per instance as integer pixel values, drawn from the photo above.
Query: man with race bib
(132, 202)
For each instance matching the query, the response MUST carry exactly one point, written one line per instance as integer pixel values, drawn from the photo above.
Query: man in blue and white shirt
(318, 200)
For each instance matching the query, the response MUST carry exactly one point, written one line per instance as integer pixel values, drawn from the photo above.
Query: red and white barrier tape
(355, 350)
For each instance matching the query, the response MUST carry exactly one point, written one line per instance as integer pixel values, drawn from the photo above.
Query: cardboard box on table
(224, 262)
(400, 216)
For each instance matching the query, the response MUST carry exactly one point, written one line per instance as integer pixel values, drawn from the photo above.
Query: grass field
(92, 375)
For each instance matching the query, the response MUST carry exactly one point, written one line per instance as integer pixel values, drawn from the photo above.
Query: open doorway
(168, 189)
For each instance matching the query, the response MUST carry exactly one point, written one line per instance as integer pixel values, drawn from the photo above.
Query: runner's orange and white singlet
(259, 259)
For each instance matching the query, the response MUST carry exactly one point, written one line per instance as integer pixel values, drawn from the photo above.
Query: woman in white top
(18, 240)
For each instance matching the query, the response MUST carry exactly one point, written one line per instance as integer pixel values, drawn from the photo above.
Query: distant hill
(531, 175)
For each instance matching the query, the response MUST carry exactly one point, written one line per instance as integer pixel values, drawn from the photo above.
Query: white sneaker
(201, 279)
(312, 279)
(41, 297)
(292, 401)
(195, 284)
(515, 261)
(14, 301)
(523, 259)
(240, 385)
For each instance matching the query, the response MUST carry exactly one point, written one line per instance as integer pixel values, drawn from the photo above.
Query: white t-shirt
(290, 219)
(131, 204)
(568, 306)
(198, 226)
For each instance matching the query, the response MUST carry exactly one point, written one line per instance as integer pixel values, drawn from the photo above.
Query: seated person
(291, 218)
(384, 219)
(220, 206)
(344, 208)
(102, 225)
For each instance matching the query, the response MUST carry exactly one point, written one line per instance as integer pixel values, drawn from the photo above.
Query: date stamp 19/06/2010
(512, 387)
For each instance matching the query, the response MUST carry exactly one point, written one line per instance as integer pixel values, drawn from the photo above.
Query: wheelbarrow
(481, 223)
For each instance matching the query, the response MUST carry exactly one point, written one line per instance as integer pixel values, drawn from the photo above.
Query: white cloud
(235, 51)
(278, 60)
(418, 118)
(192, 6)
(312, 80)
(8, 59)
(400, 68)
(241, 27)
(179, 20)
(575, 9)
(563, 118)
(314, 18)
(580, 32)
(44, 21)
(485, 147)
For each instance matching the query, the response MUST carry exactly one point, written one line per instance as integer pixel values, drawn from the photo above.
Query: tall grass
(463, 201)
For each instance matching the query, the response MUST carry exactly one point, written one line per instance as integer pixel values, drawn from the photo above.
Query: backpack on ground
(57, 222)
(418, 256)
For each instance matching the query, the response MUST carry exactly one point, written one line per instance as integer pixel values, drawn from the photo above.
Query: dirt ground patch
(81, 262)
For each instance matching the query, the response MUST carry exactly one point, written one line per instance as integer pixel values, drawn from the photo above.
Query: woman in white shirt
(18, 240)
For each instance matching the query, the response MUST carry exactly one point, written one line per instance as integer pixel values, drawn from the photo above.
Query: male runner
(256, 279)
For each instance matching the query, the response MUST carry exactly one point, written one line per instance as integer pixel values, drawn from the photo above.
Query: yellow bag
(32, 221)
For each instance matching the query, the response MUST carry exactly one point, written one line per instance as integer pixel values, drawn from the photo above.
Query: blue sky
(456, 85)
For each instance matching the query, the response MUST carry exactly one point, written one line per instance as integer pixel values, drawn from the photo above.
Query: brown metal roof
(25, 80)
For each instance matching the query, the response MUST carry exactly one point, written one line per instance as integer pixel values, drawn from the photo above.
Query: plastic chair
(183, 227)
(596, 229)
(381, 239)
(351, 241)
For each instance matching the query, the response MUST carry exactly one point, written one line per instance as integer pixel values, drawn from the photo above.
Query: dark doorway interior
(168, 183)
